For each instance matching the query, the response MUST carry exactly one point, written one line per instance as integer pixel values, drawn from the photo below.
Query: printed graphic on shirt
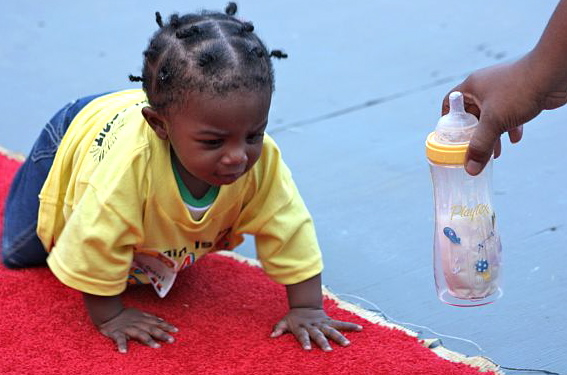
(222, 242)
(182, 257)
(109, 134)
(160, 267)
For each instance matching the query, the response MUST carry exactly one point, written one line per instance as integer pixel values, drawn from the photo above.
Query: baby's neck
(196, 187)
(199, 191)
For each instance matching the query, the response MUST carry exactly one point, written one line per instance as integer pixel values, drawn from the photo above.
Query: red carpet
(224, 310)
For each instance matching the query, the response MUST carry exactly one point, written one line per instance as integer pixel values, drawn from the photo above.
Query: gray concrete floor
(354, 102)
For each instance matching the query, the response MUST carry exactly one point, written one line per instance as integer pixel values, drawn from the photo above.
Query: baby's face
(218, 139)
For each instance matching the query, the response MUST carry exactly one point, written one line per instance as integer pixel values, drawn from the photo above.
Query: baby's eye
(211, 142)
(255, 138)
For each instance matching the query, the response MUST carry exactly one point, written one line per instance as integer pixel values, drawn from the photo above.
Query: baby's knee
(22, 254)
(9, 261)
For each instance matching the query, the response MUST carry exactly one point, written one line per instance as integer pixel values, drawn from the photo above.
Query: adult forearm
(307, 293)
(101, 309)
(549, 57)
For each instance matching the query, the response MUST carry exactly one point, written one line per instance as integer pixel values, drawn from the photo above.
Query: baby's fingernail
(346, 342)
(327, 348)
(175, 329)
(170, 340)
(156, 345)
(307, 347)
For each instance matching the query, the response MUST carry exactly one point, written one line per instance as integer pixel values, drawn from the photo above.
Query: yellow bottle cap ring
(441, 153)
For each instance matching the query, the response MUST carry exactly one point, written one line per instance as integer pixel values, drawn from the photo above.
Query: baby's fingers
(167, 327)
(318, 335)
(279, 329)
(121, 341)
(153, 320)
(302, 336)
(142, 336)
(344, 326)
(334, 335)
(160, 334)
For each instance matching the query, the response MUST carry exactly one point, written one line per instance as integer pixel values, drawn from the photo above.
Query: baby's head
(209, 53)
(209, 81)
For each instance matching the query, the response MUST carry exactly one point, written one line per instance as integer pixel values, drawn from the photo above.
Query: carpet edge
(482, 363)
(12, 155)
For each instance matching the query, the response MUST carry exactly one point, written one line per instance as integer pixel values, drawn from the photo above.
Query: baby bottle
(467, 249)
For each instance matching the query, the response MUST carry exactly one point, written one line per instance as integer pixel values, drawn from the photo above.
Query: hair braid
(159, 21)
(231, 9)
(209, 52)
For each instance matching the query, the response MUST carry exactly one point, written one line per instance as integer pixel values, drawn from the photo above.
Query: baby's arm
(121, 324)
(308, 321)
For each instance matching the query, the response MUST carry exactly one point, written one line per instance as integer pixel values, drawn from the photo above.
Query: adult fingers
(516, 134)
(497, 148)
(481, 146)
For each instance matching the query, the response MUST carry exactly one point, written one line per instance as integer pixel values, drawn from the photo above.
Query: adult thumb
(481, 146)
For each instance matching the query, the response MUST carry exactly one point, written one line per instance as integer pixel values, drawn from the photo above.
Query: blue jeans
(21, 246)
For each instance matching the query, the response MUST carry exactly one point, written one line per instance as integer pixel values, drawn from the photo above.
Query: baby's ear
(156, 122)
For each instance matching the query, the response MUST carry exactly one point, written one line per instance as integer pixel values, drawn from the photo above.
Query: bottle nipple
(457, 126)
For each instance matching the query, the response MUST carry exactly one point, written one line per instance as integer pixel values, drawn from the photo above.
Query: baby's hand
(138, 325)
(308, 324)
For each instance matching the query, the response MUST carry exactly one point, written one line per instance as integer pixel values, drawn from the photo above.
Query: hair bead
(174, 20)
(231, 8)
(278, 54)
(134, 78)
(257, 51)
(163, 74)
(247, 27)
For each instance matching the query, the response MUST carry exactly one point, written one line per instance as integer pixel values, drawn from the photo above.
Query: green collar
(188, 198)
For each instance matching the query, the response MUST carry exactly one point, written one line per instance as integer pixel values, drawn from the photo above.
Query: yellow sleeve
(94, 252)
(286, 242)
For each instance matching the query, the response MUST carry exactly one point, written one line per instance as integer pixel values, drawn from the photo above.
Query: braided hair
(207, 52)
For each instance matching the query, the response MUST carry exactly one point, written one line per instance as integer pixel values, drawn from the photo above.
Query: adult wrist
(546, 74)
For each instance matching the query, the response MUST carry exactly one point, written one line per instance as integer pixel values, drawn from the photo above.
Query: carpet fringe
(12, 155)
(482, 363)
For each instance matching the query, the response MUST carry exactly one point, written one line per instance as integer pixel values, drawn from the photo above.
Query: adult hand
(503, 97)
(308, 324)
(135, 324)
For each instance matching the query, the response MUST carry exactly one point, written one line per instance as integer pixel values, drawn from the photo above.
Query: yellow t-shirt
(111, 192)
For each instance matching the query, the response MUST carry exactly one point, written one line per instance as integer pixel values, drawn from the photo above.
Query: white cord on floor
(383, 314)
(379, 310)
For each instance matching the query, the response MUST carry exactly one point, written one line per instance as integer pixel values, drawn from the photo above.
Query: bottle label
(470, 212)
